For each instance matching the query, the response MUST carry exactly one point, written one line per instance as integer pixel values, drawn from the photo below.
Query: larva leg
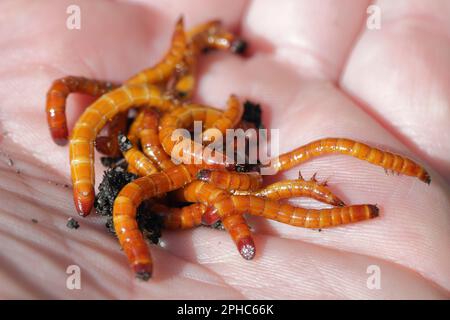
(295, 216)
(135, 158)
(108, 144)
(296, 188)
(89, 125)
(56, 101)
(124, 213)
(231, 180)
(164, 69)
(150, 140)
(229, 119)
(181, 218)
(353, 148)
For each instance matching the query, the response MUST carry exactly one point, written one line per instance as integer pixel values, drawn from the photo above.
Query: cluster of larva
(211, 190)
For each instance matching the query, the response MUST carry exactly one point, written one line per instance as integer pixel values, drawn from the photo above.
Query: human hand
(317, 72)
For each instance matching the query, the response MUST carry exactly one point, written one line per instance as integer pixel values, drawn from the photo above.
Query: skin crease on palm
(317, 72)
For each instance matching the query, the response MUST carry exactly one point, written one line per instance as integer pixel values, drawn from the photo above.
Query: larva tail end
(373, 211)
(180, 21)
(426, 178)
(59, 135)
(83, 207)
(246, 248)
(143, 271)
(103, 144)
(239, 46)
(83, 196)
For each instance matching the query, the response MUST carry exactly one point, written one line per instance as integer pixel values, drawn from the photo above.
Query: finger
(401, 77)
(314, 37)
(280, 271)
(310, 110)
(37, 248)
(199, 11)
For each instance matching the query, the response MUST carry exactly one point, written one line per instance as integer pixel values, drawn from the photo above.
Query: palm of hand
(313, 77)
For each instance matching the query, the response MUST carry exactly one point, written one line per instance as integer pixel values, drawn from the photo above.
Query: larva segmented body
(217, 194)
(124, 212)
(201, 38)
(229, 119)
(295, 188)
(164, 69)
(56, 101)
(209, 194)
(181, 218)
(211, 35)
(231, 180)
(295, 216)
(90, 123)
(150, 140)
(135, 158)
(187, 150)
(353, 148)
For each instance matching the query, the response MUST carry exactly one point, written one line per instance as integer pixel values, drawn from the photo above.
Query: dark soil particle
(252, 113)
(150, 224)
(72, 224)
(114, 179)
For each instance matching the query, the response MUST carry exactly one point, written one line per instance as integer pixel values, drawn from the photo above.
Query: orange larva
(384, 159)
(213, 192)
(56, 101)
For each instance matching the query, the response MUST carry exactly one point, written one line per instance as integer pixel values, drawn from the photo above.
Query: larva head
(373, 211)
(83, 196)
(425, 177)
(239, 46)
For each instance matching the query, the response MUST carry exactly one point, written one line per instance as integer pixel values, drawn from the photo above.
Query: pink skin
(314, 69)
